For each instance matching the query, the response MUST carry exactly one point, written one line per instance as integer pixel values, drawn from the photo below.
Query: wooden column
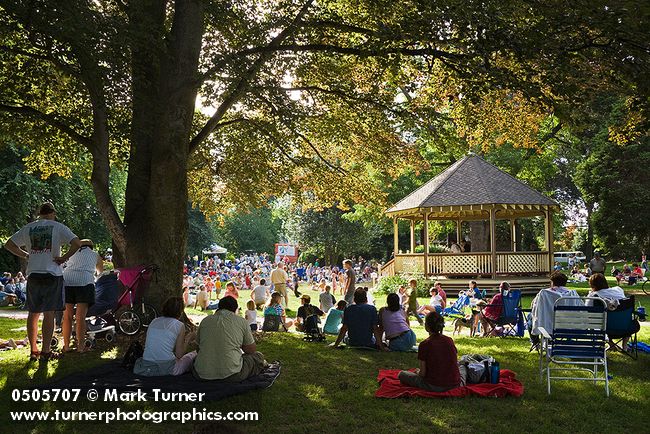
(426, 245)
(549, 238)
(395, 237)
(493, 240)
(412, 235)
(513, 234)
(458, 230)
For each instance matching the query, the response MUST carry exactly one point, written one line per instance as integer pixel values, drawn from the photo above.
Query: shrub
(391, 284)
(433, 248)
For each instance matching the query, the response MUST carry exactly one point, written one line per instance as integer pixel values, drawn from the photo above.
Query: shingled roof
(472, 181)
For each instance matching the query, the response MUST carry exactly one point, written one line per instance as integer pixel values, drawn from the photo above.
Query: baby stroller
(312, 330)
(119, 300)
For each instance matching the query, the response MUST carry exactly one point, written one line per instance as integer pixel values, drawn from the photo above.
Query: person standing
(279, 279)
(597, 264)
(350, 281)
(79, 278)
(42, 241)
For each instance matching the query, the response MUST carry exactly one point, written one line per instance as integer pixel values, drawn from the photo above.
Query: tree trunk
(590, 232)
(480, 235)
(164, 94)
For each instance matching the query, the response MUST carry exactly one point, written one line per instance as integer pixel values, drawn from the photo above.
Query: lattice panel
(413, 264)
(463, 264)
(521, 263)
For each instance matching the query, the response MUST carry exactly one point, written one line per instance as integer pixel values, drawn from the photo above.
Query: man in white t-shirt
(260, 294)
(42, 241)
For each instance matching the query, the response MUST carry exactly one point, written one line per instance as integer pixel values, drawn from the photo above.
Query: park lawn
(322, 389)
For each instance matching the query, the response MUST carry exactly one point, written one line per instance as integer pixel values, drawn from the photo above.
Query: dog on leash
(468, 321)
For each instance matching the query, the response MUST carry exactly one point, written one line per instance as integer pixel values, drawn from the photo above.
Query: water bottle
(495, 373)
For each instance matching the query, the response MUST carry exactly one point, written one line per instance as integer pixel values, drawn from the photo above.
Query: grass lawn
(322, 389)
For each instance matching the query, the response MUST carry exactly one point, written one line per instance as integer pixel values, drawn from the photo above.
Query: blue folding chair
(511, 318)
(458, 308)
(622, 323)
(577, 341)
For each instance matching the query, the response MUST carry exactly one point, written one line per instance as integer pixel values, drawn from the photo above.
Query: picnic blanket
(112, 375)
(390, 387)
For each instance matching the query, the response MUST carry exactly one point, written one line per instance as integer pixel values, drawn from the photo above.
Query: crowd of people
(225, 340)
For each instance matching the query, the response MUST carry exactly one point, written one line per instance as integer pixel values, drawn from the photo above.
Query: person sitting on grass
(260, 294)
(334, 319)
(361, 324)
(435, 304)
(231, 290)
(275, 309)
(326, 299)
(227, 350)
(394, 323)
(305, 311)
(251, 315)
(164, 349)
(438, 371)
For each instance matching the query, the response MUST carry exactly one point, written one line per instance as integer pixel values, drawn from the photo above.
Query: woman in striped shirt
(79, 280)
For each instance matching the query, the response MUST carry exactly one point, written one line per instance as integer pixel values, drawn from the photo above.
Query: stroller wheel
(110, 337)
(147, 313)
(129, 322)
(89, 343)
(54, 342)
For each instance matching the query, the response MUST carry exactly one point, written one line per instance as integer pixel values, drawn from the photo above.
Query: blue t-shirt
(361, 320)
(333, 321)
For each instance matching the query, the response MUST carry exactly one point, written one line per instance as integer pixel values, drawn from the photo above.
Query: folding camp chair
(458, 308)
(577, 339)
(622, 323)
(511, 318)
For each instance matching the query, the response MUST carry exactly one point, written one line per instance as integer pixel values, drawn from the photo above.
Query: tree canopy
(318, 100)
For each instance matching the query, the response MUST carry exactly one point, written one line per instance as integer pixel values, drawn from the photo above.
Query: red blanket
(390, 387)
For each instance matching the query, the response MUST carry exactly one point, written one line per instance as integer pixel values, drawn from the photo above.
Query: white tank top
(161, 339)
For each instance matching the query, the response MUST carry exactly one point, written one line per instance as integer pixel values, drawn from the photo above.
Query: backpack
(133, 353)
(478, 367)
(271, 323)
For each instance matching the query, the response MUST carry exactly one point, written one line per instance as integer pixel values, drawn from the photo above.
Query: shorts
(80, 294)
(45, 293)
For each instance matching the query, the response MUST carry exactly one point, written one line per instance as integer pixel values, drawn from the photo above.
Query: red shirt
(439, 355)
(494, 309)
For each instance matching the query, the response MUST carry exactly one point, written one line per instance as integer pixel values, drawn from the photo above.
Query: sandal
(52, 355)
(34, 355)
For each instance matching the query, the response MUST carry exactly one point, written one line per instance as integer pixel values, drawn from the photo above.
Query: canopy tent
(215, 250)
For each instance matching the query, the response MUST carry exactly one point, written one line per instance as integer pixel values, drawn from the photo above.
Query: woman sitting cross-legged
(164, 349)
(275, 310)
(437, 354)
(394, 323)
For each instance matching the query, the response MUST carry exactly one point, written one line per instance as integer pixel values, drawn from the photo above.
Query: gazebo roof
(472, 181)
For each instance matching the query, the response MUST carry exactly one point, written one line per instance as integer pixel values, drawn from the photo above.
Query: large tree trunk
(164, 94)
(480, 235)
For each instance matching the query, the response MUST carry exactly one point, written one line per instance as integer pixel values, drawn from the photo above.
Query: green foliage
(387, 285)
(332, 234)
(22, 193)
(200, 234)
(255, 229)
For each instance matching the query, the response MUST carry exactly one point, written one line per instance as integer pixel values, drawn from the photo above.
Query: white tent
(215, 250)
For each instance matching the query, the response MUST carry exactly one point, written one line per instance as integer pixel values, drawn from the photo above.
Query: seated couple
(227, 350)
(275, 317)
(365, 327)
